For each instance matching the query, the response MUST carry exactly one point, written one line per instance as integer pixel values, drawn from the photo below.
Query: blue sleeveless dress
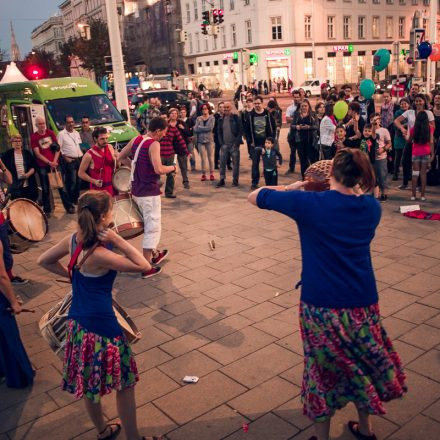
(97, 356)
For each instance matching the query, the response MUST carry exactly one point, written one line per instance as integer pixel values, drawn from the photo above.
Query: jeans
(407, 163)
(169, 184)
(4, 238)
(182, 160)
(328, 152)
(226, 152)
(381, 171)
(271, 177)
(308, 154)
(256, 156)
(292, 160)
(205, 151)
(192, 160)
(45, 189)
(397, 161)
(72, 182)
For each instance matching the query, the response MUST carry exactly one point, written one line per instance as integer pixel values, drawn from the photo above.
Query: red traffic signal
(35, 72)
(220, 14)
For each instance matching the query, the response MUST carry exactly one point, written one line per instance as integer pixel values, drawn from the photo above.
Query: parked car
(312, 87)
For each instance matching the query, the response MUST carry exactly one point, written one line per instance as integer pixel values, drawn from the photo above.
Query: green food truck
(53, 99)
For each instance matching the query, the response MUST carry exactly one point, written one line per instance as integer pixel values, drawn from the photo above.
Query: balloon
(410, 60)
(340, 110)
(424, 49)
(435, 54)
(381, 59)
(367, 88)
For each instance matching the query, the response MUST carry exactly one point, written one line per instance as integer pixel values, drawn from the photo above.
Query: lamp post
(116, 54)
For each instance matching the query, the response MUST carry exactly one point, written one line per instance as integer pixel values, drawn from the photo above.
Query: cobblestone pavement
(230, 316)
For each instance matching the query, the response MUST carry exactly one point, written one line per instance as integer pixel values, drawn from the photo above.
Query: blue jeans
(72, 182)
(45, 189)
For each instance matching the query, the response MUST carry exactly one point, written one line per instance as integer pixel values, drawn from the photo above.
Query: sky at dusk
(25, 15)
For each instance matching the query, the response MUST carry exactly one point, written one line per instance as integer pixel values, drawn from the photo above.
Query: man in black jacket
(261, 126)
(229, 134)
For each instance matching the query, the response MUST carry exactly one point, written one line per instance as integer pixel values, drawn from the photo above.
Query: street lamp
(84, 30)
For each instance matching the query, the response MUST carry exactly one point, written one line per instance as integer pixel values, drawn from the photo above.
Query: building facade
(49, 36)
(297, 40)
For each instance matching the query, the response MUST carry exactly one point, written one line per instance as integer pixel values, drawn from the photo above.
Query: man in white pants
(144, 152)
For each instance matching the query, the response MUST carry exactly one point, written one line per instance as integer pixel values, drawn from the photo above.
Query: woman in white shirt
(409, 117)
(327, 133)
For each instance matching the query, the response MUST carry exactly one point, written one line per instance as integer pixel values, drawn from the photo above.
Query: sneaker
(71, 210)
(159, 256)
(413, 198)
(288, 172)
(203, 178)
(254, 187)
(153, 271)
(17, 281)
(170, 196)
(235, 183)
(186, 185)
(383, 198)
(423, 199)
(395, 178)
(212, 178)
(220, 183)
(403, 186)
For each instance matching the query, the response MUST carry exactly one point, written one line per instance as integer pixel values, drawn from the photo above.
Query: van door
(22, 118)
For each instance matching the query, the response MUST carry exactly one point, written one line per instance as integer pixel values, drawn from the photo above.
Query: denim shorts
(426, 158)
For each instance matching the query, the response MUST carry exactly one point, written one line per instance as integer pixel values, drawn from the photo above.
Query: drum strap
(75, 254)
(135, 158)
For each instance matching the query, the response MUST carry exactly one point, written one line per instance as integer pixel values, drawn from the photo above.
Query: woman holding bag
(98, 358)
(21, 165)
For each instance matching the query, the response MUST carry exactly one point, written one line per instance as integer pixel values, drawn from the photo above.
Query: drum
(127, 218)
(121, 180)
(53, 325)
(27, 224)
(317, 176)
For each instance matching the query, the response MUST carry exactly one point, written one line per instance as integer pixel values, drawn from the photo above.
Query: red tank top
(103, 167)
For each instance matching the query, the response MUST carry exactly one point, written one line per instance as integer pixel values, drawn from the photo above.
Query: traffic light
(183, 36)
(253, 58)
(215, 16)
(205, 17)
(35, 72)
(204, 27)
(220, 16)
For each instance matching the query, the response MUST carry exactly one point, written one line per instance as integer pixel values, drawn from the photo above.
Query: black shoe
(220, 183)
(254, 187)
(383, 198)
(186, 185)
(395, 178)
(289, 171)
(18, 280)
(170, 196)
(235, 183)
(71, 210)
(229, 168)
(403, 186)
(216, 167)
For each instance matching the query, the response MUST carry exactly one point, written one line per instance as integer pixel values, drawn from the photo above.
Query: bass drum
(121, 180)
(27, 224)
(127, 218)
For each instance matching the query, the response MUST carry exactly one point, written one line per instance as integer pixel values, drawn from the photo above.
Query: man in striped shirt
(172, 143)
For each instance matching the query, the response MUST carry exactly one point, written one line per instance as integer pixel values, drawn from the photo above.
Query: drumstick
(63, 281)
(23, 310)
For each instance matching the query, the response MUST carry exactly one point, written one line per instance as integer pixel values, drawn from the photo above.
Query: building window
(330, 27)
(197, 42)
(414, 2)
(347, 27)
(402, 2)
(247, 2)
(426, 2)
(248, 25)
(361, 26)
(390, 2)
(214, 43)
(376, 26)
(190, 42)
(425, 23)
(346, 67)
(196, 11)
(233, 35)
(331, 69)
(231, 5)
(308, 27)
(223, 35)
(276, 28)
(362, 1)
(222, 4)
(308, 65)
(376, 2)
(188, 12)
(389, 27)
(401, 27)
(203, 5)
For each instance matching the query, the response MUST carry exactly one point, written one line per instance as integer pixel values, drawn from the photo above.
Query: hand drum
(317, 176)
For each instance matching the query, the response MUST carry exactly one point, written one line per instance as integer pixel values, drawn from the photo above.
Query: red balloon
(435, 54)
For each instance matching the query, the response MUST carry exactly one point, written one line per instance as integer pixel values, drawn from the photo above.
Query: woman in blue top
(348, 356)
(97, 355)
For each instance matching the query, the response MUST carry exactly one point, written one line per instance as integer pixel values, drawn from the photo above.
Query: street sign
(419, 36)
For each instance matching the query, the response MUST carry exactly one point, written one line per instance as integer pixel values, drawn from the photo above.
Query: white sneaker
(423, 199)
(413, 198)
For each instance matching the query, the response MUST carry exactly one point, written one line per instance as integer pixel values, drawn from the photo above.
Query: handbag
(55, 179)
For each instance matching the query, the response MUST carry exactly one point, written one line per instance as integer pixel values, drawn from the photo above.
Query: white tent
(12, 74)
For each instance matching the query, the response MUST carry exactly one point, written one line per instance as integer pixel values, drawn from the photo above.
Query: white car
(312, 87)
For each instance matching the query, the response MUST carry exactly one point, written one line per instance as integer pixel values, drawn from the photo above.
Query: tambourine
(317, 176)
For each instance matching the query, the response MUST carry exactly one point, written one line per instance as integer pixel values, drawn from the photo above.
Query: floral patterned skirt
(94, 365)
(348, 357)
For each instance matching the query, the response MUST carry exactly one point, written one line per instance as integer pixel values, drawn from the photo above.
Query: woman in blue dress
(348, 356)
(97, 358)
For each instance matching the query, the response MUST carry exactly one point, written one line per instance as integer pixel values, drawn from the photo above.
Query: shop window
(216, 63)
(225, 61)
(361, 66)
(346, 68)
(331, 67)
(308, 65)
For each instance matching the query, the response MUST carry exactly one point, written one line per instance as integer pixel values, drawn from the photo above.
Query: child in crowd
(340, 138)
(369, 143)
(422, 138)
(270, 155)
(383, 138)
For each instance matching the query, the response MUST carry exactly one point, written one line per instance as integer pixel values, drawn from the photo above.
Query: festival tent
(12, 74)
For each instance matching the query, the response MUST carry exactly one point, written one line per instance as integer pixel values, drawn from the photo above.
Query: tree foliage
(46, 62)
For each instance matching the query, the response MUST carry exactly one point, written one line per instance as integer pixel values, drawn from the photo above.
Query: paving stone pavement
(230, 316)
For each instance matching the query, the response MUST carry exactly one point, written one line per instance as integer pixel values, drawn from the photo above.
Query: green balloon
(340, 110)
(367, 88)
(381, 59)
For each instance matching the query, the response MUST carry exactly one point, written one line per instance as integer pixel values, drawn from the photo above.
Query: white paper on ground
(409, 208)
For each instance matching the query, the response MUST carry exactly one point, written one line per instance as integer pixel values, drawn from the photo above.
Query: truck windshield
(98, 108)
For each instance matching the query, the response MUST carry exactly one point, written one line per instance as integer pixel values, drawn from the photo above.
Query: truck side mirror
(124, 114)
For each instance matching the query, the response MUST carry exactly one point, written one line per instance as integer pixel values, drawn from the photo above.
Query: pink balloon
(435, 54)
